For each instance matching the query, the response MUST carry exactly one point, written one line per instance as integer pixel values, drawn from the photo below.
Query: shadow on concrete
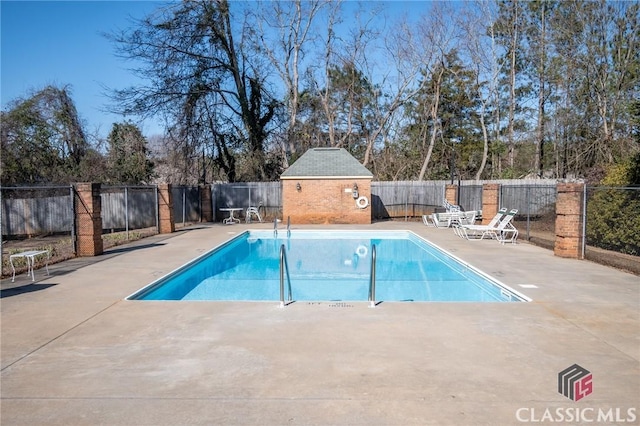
(132, 248)
(191, 228)
(28, 288)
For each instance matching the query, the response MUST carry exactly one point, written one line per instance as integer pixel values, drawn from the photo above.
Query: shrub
(613, 211)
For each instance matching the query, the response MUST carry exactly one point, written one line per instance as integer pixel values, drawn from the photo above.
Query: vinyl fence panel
(267, 196)
(34, 211)
(186, 203)
(128, 208)
(405, 198)
(530, 200)
(470, 197)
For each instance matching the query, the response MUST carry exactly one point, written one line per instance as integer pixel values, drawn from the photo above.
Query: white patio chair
(252, 211)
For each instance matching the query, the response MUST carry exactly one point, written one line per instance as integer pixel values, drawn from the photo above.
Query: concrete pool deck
(74, 352)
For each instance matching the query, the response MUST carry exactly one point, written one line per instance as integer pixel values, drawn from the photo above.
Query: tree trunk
(434, 119)
(539, 160)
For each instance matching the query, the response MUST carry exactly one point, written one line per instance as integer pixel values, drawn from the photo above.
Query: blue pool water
(328, 266)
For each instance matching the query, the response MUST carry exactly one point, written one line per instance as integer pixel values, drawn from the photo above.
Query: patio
(75, 353)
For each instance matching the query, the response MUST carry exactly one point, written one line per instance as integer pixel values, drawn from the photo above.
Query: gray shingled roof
(326, 162)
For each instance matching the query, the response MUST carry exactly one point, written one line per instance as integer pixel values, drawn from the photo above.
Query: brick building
(327, 186)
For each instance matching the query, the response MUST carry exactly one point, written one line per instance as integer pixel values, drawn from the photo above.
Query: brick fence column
(88, 209)
(451, 193)
(206, 203)
(490, 201)
(166, 223)
(569, 216)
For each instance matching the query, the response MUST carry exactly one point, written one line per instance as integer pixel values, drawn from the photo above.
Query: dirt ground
(60, 247)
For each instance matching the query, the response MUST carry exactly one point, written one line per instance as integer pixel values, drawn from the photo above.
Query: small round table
(231, 219)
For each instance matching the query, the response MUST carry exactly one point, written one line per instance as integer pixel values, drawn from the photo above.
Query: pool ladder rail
(372, 278)
(284, 269)
(275, 226)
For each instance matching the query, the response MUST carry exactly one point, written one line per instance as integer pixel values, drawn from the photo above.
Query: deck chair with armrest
(499, 232)
(253, 211)
(470, 232)
(438, 219)
(507, 231)
(472, 227)
(469, 217)
(451, 208)
(441, 220)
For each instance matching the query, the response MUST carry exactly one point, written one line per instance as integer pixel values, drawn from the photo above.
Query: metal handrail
(284, 267)
(372, 279)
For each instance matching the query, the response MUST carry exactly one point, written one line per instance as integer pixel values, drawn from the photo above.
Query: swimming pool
(328, 266)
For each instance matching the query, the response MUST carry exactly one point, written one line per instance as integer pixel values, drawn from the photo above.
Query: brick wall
(87, 207)
(165, 210)
(325, 201)
(207, 203)
(490, 201)
(569, 203)
(451, 193)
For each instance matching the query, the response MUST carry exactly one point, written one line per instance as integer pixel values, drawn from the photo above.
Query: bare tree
(400, 83)
(194, 65)
(479, 42)
(328, 60)
(437, 36)
(284, 31)
(509, 31)
(538, 166)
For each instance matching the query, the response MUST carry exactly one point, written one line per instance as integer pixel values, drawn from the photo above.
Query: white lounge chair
(441, 220)
(500, 232)
(437, 220)
(507, 232)
(469, 217)
(451, 208)
(500, 222)
(448, 219)
(496, 219)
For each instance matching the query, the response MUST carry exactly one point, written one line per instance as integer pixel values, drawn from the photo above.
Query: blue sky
(60, 42)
